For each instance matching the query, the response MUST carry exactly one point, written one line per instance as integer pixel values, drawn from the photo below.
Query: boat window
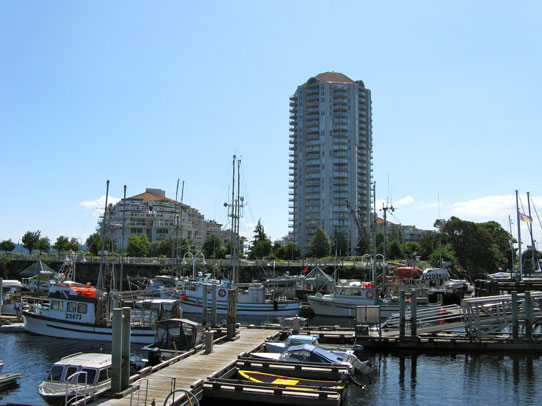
(82, 308)
(91, 375)
(56, 374)
(70, 371)
(56, 305)
(350, 291)
(71, 307)
(104, 375)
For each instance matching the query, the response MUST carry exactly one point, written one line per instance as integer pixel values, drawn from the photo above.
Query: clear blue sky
(144, 93)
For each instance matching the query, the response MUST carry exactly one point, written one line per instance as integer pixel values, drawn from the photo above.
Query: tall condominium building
(159, 217)
(330, 158)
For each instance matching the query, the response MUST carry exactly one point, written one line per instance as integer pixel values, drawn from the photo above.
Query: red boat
(408, 272)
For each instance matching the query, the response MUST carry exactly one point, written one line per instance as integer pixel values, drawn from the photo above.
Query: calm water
(400, 380)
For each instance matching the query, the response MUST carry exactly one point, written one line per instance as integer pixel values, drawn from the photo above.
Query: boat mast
(530, 226)
(511, 244)
(104, 233)
(233, 226)
(122, 239)
(519, 239)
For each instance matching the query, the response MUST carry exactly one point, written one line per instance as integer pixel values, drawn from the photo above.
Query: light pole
(193, 259)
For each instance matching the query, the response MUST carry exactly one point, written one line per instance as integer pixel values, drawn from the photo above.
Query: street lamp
(193, 259)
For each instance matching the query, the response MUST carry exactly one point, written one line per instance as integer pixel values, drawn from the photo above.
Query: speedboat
(76, 376)
(312, 353)
(298, 339)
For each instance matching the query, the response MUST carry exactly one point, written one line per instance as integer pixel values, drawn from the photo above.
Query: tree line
(476, 248)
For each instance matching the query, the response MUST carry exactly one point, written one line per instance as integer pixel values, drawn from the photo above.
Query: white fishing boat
(76, 376)
(251, 299)
(344, 301)
(78, 311)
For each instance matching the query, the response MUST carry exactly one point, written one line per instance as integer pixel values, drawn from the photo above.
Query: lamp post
(193, 259)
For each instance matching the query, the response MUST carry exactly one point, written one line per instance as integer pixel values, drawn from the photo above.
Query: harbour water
(409, 379)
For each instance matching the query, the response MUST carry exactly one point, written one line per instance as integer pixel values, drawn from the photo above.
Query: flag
(525, 218)
(305, 270)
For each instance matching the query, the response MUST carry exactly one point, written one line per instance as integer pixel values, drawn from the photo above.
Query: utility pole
(511, 244)
(519, 239)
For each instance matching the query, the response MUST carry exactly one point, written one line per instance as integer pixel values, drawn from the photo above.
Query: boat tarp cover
(310, 353)
(318, 277)
(38, 268)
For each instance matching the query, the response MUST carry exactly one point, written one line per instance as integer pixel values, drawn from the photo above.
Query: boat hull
(191, 305)
(327, 307)
(46, 326)
(290, 382)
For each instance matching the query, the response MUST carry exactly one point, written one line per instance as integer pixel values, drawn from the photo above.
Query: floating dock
(214, 375)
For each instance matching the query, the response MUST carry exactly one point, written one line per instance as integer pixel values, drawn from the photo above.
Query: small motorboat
(298, 339)
(312, 353)
(290, 382)
(76, 376)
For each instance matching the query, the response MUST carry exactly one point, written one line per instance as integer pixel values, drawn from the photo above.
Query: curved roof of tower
(333, 77)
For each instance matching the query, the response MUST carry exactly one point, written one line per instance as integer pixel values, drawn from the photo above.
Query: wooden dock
(7, 380)
(190, 372)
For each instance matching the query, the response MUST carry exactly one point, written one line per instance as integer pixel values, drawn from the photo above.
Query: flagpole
(519, 239)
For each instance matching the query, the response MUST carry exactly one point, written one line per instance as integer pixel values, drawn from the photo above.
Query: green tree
(319, 245)
(7, 246)
(340, 244)
(211, 246)
(61, 244)
(473, 246)
(411, 249)
(393, 250)
(94, 243)
(428, 244)
(138, 246)
(288, 252)
(261, 245)
(43, 245)
(73, 245)
(30, 240)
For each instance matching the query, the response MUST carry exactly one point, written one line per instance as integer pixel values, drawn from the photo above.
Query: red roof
(333, 77)
(151, 196)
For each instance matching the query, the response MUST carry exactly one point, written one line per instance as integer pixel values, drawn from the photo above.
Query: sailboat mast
(519, 238)
(530, 226)
(233, 224)
(511, 242)
(123, 235)
(104, 233)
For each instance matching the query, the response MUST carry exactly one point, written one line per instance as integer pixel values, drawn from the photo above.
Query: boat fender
(369, 294)
(222, 292)
(184, 298)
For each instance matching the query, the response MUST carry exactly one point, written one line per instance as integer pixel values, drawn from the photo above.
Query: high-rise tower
(330, 158)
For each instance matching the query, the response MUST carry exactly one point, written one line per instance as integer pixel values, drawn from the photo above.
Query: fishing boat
(78, 311)
(288, 381)
(76, 376)
(251, 299)
(346, 299)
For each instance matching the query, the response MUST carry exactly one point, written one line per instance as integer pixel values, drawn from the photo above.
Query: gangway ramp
(485, 315)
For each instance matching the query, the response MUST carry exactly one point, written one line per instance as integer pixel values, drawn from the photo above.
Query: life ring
(369, 294)
(222, 292)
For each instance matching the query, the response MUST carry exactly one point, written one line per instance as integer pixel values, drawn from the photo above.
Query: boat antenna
(511, 243)
(439, 232)
(122, 239)
(530, 227)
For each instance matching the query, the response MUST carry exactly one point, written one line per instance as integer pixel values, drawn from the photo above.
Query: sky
(146, 94)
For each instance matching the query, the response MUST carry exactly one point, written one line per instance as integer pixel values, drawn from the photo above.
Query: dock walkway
(190, 372)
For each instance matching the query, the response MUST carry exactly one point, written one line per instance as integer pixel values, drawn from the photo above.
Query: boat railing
(136, 388)
(74, 380)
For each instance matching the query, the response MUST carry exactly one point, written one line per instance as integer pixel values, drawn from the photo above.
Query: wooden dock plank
(195, 368)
